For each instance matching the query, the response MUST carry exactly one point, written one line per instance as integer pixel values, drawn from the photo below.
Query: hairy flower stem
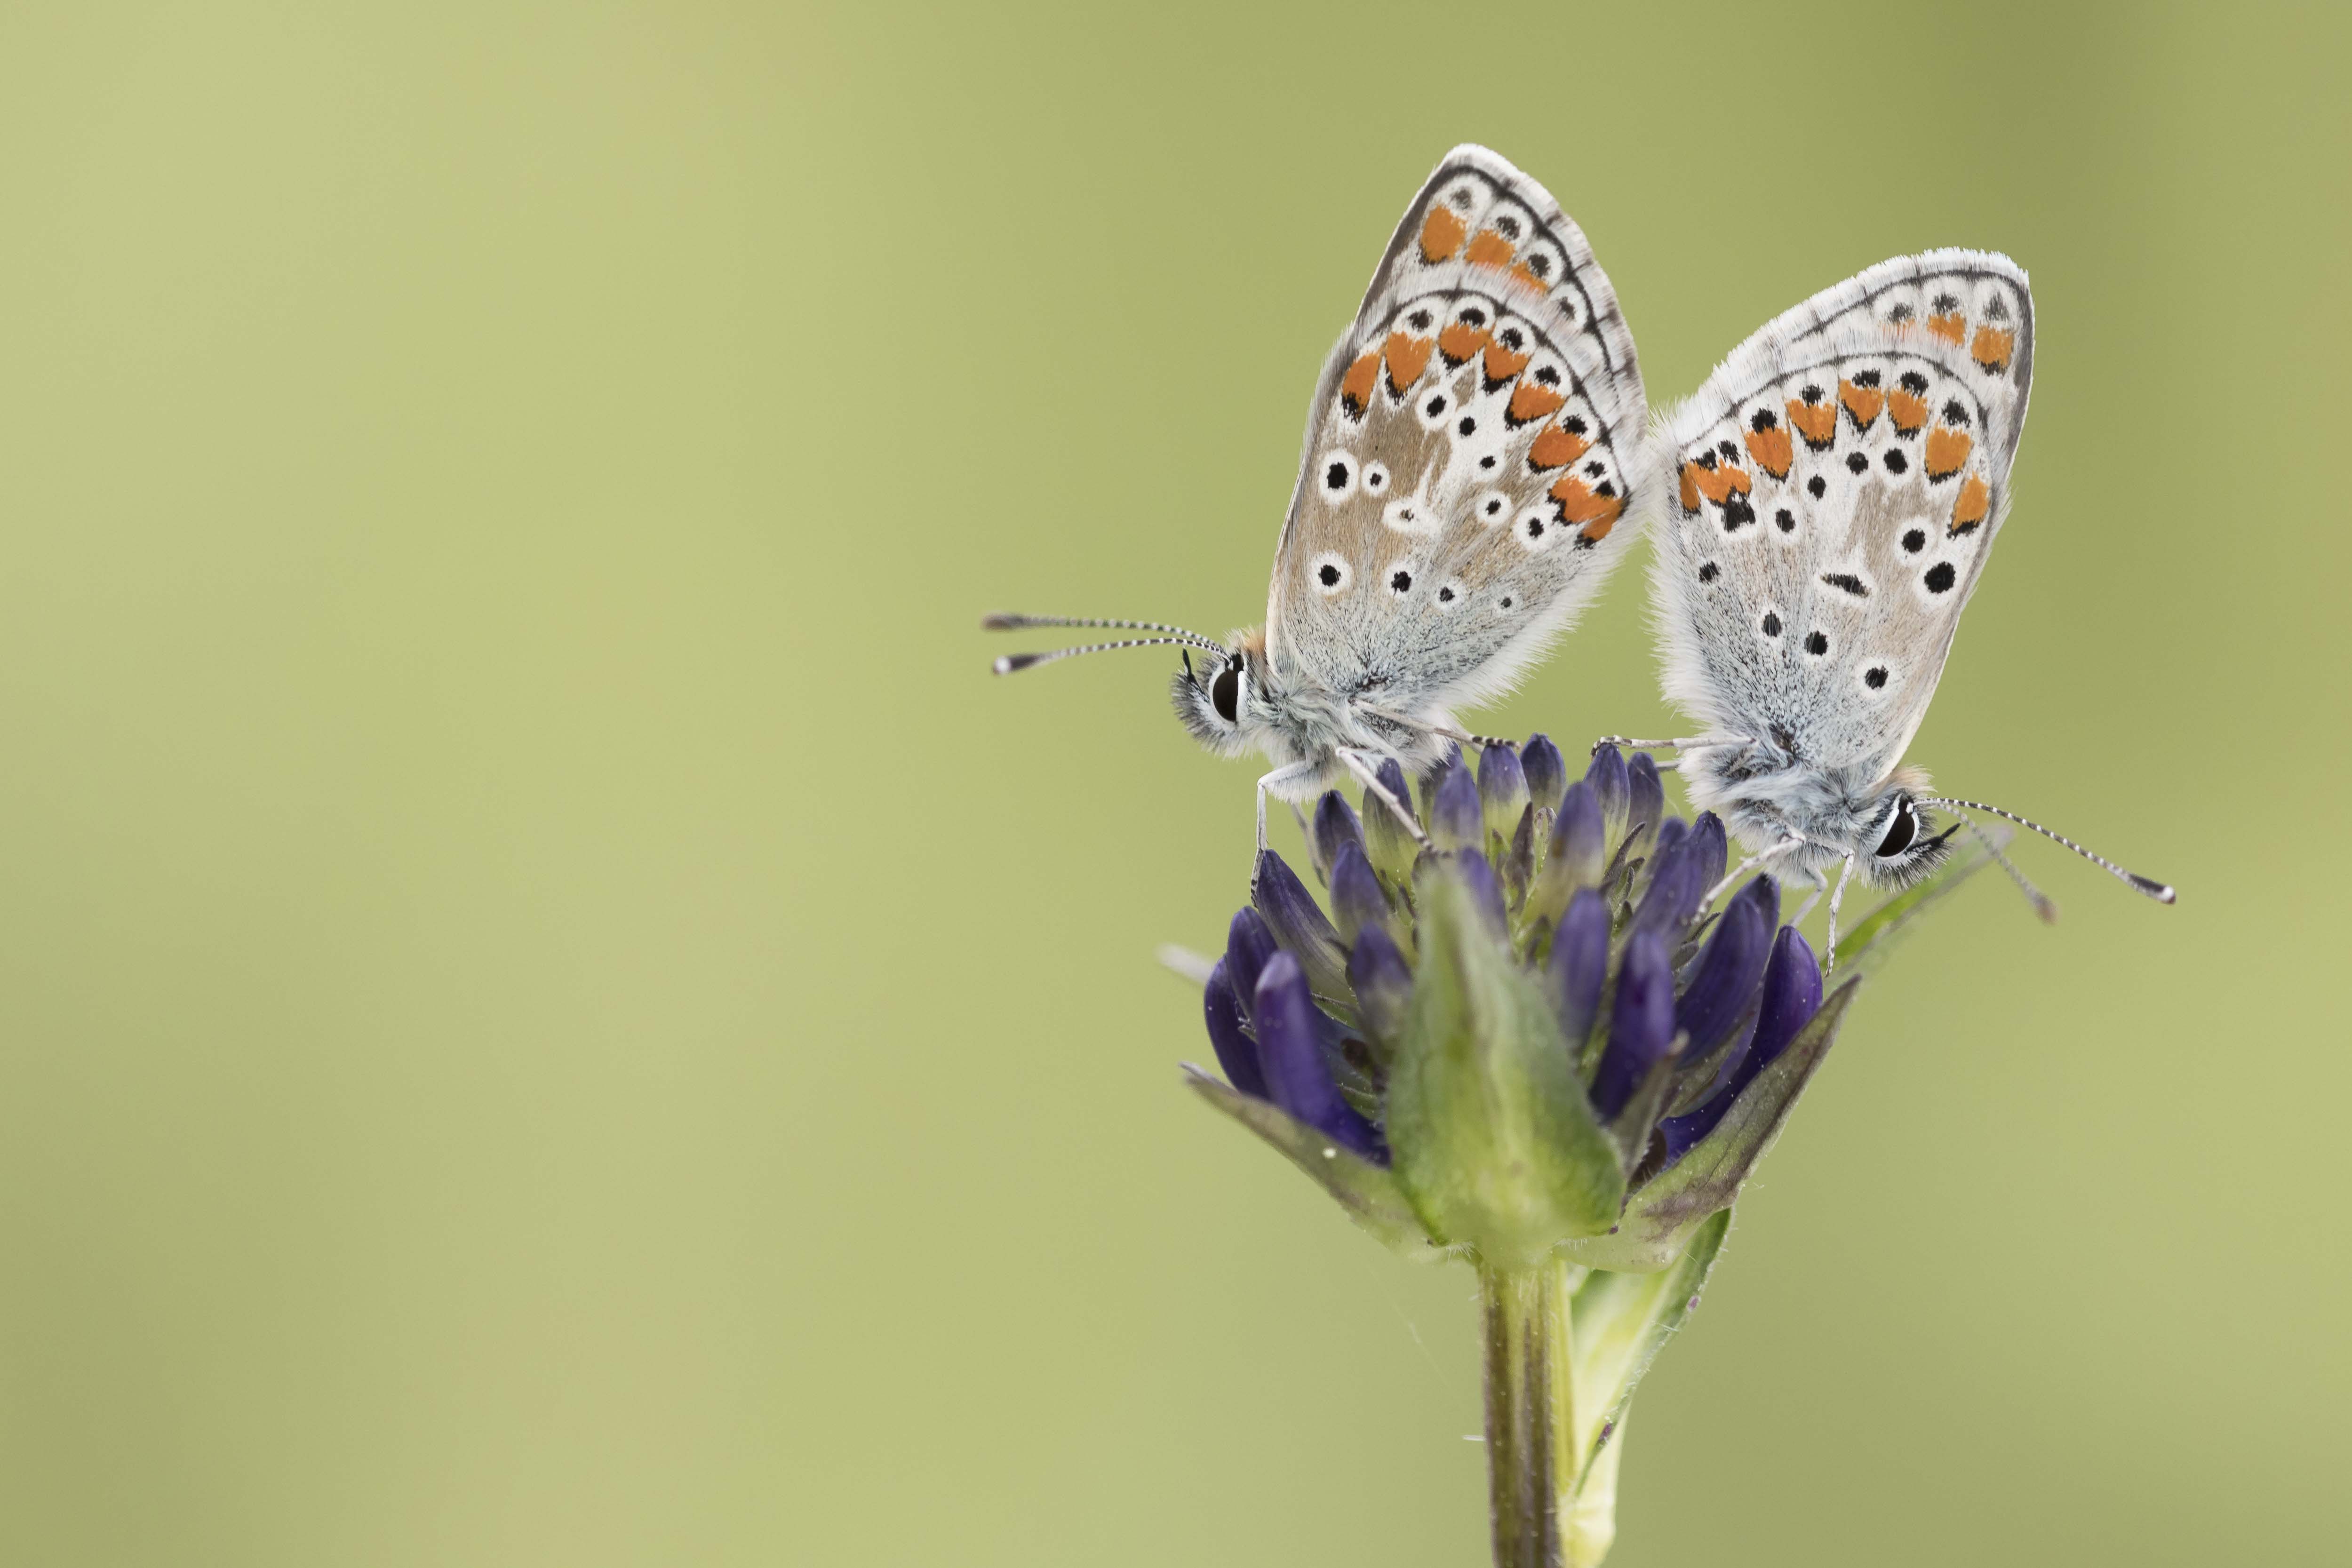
(1531, 1444)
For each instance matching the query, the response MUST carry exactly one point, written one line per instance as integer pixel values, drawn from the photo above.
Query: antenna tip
(2047, 907)
(1001, 622)
(1009, 663)
(2159, 891)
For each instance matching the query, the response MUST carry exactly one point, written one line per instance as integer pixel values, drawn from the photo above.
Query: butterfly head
(1898, 846)
(1221, 699)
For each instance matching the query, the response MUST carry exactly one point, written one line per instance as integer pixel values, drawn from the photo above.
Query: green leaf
(1494, 1141)
(1370, 1194)
(1621, 1322)
(1668, 1209)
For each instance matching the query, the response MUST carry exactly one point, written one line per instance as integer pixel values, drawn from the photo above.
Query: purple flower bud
(1359, 903)
(1435, 775)
(1382, 984)
(1674, 888)
(1766, 892)
(1610, 785)
(1546, 771)
(1645, 795)
(1580, 963)
(1298, 923)
(1579, 838)
(1724, 981)
(1709, 850)
(1486, 892)
(1248, 944)
(1455, 817)
(1502, 790)
(1335, 825)
(1642, 1026)
(1793, 995)
(1236, 1053)
(1387, 843)
(1290, 1052)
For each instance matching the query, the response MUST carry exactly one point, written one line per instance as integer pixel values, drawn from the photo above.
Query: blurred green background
(551, 1012)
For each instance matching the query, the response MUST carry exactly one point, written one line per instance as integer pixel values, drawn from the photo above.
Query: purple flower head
(1527, 1046)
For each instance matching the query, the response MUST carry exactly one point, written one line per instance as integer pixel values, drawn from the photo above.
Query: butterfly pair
(1479, 456)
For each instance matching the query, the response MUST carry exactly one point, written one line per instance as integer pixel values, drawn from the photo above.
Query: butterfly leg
(1362, 765)
(1821, 886)
(1683, 745)
(1280, 779)
(1829, 961)
(1783, 846)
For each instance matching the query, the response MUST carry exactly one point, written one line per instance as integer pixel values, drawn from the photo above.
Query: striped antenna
(2160, 892)
(1009, 662)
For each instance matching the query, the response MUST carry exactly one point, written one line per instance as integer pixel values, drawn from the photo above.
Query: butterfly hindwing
(1837, 485)
(1472, 452)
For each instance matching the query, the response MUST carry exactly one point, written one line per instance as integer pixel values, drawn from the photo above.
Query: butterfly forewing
(1472, 452)
(1837, 485)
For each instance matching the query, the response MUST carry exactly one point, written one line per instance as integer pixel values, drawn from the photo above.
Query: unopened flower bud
(1502, 790)
(1546, 770)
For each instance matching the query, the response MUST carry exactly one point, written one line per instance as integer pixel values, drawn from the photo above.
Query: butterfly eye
(1226, 693)
(1900, 832)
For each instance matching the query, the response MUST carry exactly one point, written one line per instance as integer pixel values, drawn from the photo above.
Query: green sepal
(1621, 1322)
(1495, 1144)
(1370, 1194)
(1668, 1209)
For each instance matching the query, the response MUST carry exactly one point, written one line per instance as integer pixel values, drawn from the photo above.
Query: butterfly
(1837, 486)
(1473, 467)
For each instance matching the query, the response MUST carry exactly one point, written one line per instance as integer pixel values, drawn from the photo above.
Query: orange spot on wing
(1440, 233)
(1458, 341)
(1861, 404)
(1408, 355)
(1490, 248)
(1771, 450)
(1355, 386)
(1555, 447)
(1593, 515)
(1816, 421)
(1717, 484)
(1946, 451)
(1532, 401)
(1976, 500)
(1526, 275)
(1907, 411)
(1689, 496)
(1993, 348)
(1502, 364)
(1950, 327)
